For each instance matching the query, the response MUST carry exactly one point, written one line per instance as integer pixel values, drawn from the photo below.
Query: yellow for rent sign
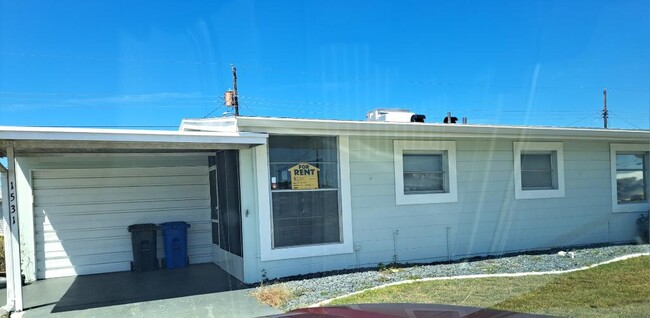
(304, 177)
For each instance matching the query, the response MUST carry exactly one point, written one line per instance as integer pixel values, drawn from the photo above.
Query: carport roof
(49, 139)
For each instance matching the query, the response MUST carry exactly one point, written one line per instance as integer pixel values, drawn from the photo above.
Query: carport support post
(12, 234)
(7, 243)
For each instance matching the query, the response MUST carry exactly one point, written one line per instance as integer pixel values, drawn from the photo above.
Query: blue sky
(152, 63)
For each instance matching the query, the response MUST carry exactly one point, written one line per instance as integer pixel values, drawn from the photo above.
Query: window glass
(423, 173)
(536, 180)
(630, 178)
(288, 151)
(536, 162)
(537, 171)
(630, 161)
(291, 149)
(304, 216)
(421, 163)
(327, 175)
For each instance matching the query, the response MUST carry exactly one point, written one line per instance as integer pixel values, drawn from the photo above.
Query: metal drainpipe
(448, 249)
(395, 234)
(6, 309)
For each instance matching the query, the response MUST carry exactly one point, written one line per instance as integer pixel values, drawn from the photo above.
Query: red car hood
(399, 311)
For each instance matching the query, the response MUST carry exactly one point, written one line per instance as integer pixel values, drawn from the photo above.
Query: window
(539, 170)
(629, 177)
(425, 172)
(630, 180)
(304, 190)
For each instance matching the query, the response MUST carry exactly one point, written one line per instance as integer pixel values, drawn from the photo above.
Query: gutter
(294, 126)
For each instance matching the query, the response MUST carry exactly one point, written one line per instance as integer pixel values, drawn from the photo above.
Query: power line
(107, 126)
(108, 59)
(623, 119)
(315, 74)
(590, 116)
(251, 102)
(212, 112)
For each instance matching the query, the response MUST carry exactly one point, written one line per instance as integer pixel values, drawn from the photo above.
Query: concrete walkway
(197, 291)
(223, 304)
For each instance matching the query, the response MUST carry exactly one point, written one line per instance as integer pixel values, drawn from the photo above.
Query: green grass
(612, 290)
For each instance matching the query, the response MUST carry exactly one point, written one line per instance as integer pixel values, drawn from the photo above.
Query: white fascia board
(225, 124)
(427, 130)
(120, 135)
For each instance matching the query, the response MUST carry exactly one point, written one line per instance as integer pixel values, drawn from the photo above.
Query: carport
(72, 192)
(164, 293)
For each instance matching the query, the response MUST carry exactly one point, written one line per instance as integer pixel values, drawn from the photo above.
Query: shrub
(273, 295)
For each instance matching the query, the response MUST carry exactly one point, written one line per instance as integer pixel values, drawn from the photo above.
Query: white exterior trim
(539, 146)
(267, 252)
(296, 126)
(399, 146)
(264, 201)
(629, 207)
(231, 263)
(12, 230)
(83, 134)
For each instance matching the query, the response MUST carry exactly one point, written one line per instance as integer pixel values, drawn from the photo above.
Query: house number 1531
(12, 202)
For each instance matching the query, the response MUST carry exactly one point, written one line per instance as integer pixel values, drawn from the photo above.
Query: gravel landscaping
(313, 290)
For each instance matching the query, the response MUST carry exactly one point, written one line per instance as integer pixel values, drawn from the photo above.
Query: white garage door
(81, 215)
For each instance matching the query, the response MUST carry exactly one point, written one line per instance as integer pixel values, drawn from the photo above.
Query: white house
(1, 221)
(274, 197)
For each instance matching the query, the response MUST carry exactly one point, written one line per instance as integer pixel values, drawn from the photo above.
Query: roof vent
(391, 115)
(418, 118)
(449, 119)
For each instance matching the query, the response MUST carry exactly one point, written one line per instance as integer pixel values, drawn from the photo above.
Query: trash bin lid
(143, 227)
(174, 225)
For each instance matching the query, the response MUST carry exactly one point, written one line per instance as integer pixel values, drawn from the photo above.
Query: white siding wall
(84, 204)
(486, 219)
(1, 217)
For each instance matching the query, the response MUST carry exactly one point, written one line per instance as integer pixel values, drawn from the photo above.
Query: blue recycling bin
(175, 239)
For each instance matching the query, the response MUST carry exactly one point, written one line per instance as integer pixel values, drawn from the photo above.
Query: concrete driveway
(197, 291)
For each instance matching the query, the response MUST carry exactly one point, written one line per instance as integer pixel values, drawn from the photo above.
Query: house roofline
(63, 139)
(276, 125)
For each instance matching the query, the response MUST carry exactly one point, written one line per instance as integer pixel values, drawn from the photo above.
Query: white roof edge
(270, 124)
(364, 122)
(128, 135)
(224, 124)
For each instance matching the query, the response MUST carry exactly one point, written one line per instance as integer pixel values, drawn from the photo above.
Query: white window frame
(263, 176)
(556, 147)
(422, 146)
(628, 207)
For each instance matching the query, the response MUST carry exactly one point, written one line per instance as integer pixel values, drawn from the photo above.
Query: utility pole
(234, 87)
(230, 96)
(605, 114)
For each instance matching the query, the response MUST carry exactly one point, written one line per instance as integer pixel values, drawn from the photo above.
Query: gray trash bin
(143, 241)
